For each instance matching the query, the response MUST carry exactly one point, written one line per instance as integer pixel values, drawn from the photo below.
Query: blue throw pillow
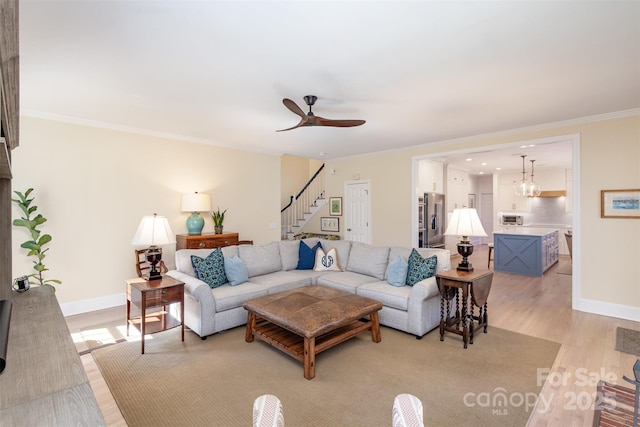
(210, 269)
(397, 272)
(235, 270)
(307, 256)
(420, 268)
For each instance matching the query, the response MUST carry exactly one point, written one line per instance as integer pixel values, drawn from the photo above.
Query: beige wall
(94, 186)
(609, 159)
(295, 172)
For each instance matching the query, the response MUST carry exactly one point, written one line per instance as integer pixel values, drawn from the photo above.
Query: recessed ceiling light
(323, 154)
(481, 173)
(483, 164)
(468, 159)
(498, 169)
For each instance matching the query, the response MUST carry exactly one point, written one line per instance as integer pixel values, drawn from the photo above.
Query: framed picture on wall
(620, 203)
(329, 224)
(335, 206)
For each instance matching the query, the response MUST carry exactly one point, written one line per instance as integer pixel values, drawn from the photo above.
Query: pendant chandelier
(533, 190)
(521, 187)
(527, 188)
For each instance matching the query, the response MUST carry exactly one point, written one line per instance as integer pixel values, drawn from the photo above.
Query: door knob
(348, 229)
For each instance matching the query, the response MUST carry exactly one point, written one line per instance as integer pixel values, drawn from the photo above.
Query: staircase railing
(300, 203)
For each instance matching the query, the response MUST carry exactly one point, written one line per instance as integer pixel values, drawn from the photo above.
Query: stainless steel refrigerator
(431, 215)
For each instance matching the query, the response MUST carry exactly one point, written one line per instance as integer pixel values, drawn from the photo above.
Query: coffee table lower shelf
(305, 349)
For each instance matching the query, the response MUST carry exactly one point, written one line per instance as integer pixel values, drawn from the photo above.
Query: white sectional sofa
(272, 267)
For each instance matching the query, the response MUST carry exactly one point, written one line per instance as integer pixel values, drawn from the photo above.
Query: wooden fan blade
(302, 122)
(294, 107)
(319, 121)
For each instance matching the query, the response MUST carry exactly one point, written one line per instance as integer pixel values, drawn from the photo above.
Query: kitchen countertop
(528, 231)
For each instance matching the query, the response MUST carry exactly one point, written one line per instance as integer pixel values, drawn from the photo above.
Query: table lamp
(195, 203)
(465, 223)
(153, 231)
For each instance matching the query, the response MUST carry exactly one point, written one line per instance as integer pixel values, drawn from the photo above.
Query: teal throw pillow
(235, 270)
(420, 268)
(397, 272)
(307, 256)
(210, 269)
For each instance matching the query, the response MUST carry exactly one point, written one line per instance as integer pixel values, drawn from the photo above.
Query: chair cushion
(420, 268)
(307, 256)
(235, 270)
(210, 269)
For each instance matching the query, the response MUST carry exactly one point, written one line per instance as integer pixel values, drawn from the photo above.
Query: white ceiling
(418, 72)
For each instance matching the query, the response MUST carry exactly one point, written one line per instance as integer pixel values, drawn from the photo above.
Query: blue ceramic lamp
(195, 203)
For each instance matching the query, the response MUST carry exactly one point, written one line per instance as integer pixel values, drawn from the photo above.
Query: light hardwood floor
(539, 307)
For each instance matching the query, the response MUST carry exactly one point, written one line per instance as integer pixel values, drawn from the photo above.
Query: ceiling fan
(311, 119)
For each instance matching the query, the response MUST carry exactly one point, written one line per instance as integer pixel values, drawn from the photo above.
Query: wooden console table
(205, 240)
(44, 382)
(474, 283)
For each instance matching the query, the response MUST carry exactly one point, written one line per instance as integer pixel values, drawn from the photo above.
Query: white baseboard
(608, 309)
(93, 304)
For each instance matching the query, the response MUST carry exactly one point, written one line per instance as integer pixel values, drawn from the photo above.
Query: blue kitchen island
(526, 251)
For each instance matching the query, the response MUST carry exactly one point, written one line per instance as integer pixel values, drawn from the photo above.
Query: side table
(453, 283)
(146, 294)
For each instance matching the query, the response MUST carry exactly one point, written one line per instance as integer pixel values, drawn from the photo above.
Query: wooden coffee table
(306, 321)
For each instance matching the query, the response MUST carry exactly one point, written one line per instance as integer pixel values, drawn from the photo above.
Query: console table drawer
(206, 241)
(164, 296)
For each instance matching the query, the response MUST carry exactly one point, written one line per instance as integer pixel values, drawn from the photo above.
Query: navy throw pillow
(307, 256)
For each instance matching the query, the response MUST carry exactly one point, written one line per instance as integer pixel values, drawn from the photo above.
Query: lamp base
(195, 224)
(465, 249)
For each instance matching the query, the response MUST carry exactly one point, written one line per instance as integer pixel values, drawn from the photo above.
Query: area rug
(628, 341)
(214, 382)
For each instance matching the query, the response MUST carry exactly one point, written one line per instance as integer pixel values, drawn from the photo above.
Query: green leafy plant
(218, 217)
(35, 246)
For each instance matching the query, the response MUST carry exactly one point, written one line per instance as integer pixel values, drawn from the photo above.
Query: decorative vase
(218, 229)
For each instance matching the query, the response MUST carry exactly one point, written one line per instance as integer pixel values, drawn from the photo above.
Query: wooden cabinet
(507, 199)
(206, 240)
(430, 177)
(458, 188)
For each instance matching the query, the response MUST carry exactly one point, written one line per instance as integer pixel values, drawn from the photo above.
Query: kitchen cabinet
(551, 179)
(430, 177)
(507, 200)
(526, 251)
(458, 187)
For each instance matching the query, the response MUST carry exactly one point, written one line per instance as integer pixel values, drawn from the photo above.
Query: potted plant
(218, 219)
(35, 246)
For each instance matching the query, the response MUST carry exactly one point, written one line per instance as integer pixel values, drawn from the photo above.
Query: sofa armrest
(424, 289)
(196, 287)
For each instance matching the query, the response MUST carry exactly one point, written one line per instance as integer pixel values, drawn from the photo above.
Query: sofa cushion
(260, 259)
(397, 272)
(281, 281)
(307, 255)
(389, 296)
(420, 268)
(369, 260)
(326, 262)
(343, 247)
(210, 269)
(344, 280)
(289, 254)
(235, 270)
(228, 297)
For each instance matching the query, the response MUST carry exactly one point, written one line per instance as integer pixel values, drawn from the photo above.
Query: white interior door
(357, 211)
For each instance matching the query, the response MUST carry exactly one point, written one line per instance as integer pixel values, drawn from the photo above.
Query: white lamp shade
(196, 202)
(153, 231)
(465, 222)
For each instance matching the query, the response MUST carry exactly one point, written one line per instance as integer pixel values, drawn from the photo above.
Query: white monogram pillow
(326, 262)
